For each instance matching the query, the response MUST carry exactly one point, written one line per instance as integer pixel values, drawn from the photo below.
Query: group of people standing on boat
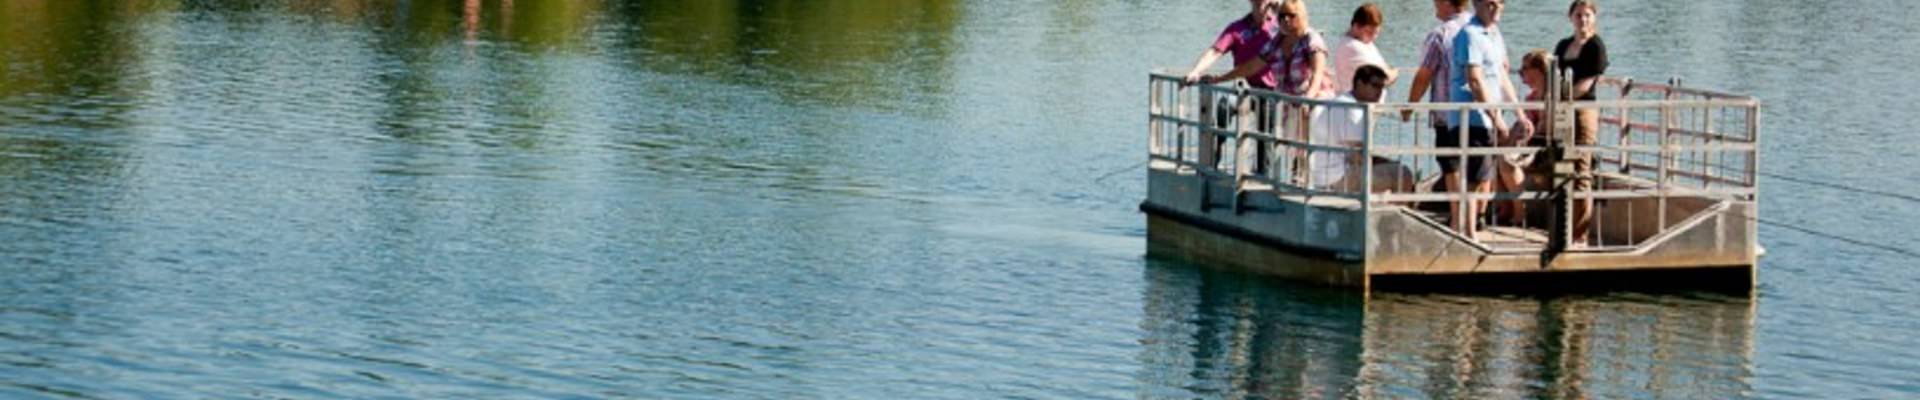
(1464, 59)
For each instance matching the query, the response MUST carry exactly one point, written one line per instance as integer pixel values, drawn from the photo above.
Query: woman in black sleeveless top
(1583, 52)
(1586, 55)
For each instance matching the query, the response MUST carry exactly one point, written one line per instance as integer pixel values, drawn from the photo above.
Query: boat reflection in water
(1219, 334)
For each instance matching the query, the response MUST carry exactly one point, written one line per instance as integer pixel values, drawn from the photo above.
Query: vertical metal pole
(1179, 135)
(1366, 160)
(1240, 124)
(1204, 139)
(1304, 154)
(1708, 165)
(1753, 171)
(1208, 143)
(1460, 178)
(1154, 136)
(1561, 122)
(1626, 130)
(1667, 158)
(1297, 156)
(1366, 183)
(1753, 156)
(1246, 128)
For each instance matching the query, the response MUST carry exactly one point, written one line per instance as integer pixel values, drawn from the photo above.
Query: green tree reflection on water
(820, 50)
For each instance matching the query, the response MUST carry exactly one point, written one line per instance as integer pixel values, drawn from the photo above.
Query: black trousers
(1263, 121)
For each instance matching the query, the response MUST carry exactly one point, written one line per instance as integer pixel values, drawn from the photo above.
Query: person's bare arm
(1243, 70)
(1506, 84)
(1481, 93)
(1420, 81)
(1584, 86)
(1355, 158)
(1206, 60)
(1314, 79)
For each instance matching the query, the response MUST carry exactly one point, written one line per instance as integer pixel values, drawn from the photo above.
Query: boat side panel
(1175, 237)
(1406, 245)
(1292, 221)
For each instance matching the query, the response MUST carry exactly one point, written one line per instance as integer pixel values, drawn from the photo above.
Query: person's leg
(1479, 170)
(1586, 133)
(1297, 117)
(1390, 177)
(1219, 142)
(1446, 138)
(1482, 182)
(1263, 122)
(1221, 114)
(1510, 179)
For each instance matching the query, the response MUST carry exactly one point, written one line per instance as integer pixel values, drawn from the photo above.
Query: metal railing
(1215, 130)
(1657, 142)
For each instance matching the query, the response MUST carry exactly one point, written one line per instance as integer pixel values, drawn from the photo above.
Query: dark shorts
(1448, 137)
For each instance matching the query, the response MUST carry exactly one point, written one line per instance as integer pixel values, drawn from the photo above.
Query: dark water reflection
(1224, 335)
(809, 199)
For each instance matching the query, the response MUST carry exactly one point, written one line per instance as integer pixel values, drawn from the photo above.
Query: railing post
(1247, 149)
(1206, 118)
(1626, 130)
(1462, 201)
(1187, 102)
(1154, 136)
(1179, 133)
(1667, 158)
(1753, 178)
(1240, 124)
(1561, 130)
(1303, 155)
(1707, 166)
(1366, 159)
(1753, 156)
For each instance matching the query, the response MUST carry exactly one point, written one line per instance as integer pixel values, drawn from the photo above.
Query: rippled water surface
(827, 199)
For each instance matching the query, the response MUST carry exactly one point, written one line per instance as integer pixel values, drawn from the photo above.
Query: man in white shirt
(1346, 127)
(1356, 48)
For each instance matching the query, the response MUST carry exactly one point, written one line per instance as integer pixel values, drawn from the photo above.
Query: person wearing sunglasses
(1297, 58)
(1345, 126)
(1521, 172)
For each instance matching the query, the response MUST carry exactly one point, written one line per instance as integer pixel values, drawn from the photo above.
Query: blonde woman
(1297, 58)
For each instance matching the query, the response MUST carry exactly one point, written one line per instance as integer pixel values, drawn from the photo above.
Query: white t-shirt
(1335, 126)
(1349, 55)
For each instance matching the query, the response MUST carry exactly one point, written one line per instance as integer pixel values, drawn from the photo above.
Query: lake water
(829, 199)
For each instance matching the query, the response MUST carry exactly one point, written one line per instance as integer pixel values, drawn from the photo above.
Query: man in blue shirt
(1477, 73)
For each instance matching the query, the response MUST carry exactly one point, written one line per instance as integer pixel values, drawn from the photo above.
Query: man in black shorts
(1479, 74)
(1477, 173)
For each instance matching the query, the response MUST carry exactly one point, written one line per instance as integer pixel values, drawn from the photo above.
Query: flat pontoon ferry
(1674, 191)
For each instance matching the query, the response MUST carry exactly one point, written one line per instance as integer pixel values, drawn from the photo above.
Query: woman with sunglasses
(1297, 58)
